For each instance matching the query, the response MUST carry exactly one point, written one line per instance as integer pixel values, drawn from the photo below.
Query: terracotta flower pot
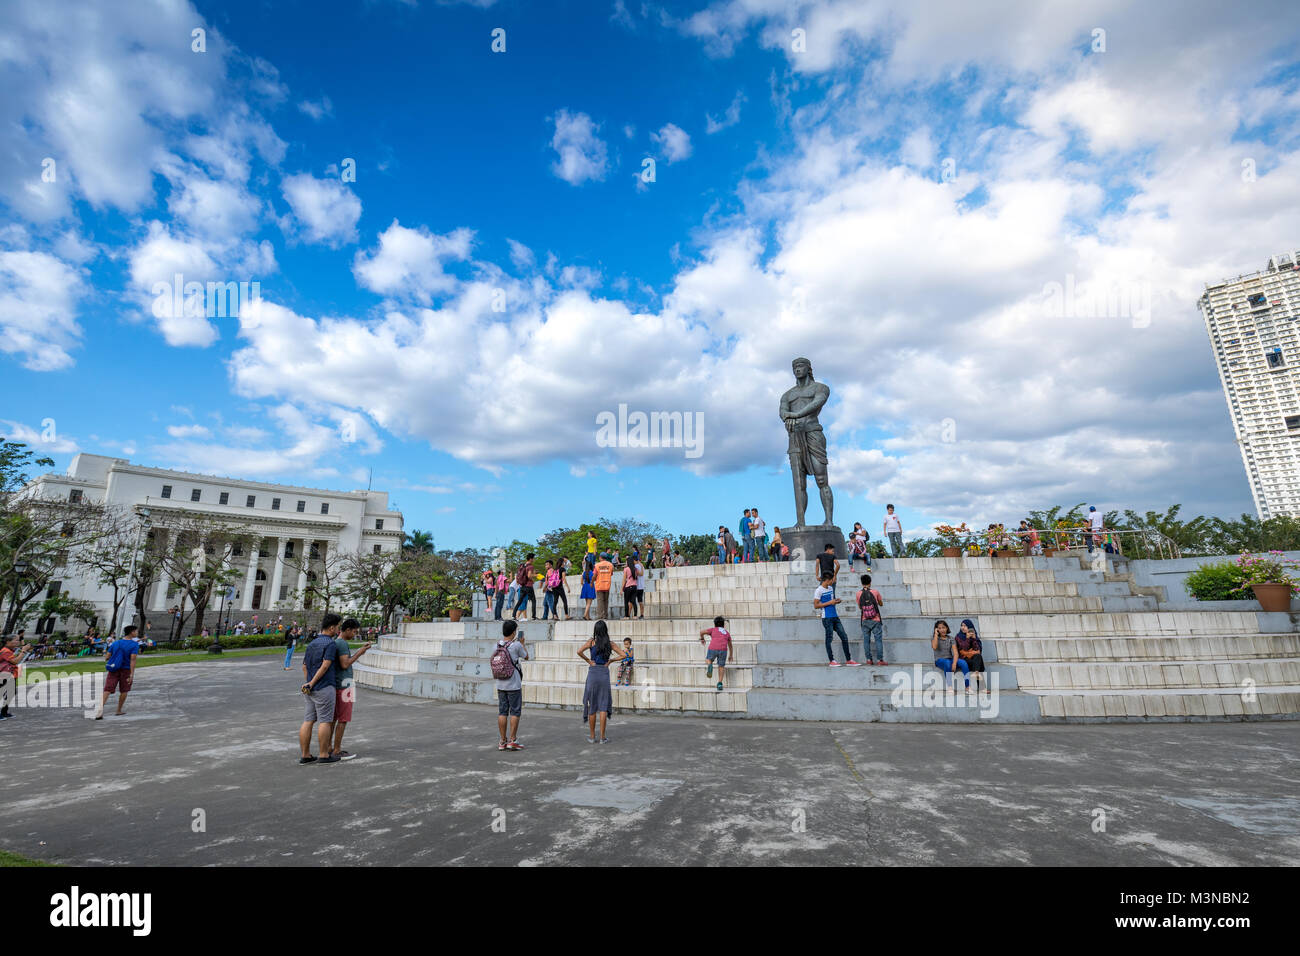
(951, 552)
(1048, 552)
(1273, 597)
(454, 614)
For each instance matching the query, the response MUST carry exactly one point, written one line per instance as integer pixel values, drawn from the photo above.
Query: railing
(1127, 543)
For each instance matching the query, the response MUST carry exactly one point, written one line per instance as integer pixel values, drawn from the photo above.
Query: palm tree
(419, 542)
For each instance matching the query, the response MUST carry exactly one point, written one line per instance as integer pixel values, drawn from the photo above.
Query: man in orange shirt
(604, 574)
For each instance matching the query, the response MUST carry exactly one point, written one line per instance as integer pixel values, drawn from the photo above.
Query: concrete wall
(1171, 574)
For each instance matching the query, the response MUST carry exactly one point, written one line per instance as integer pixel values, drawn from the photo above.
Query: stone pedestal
(812, 539)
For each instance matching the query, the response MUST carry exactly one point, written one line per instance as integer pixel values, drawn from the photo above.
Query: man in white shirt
(893, 528)
(758, 531)
(1096, 525)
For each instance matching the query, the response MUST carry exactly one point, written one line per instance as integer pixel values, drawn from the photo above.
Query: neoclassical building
(286, 522)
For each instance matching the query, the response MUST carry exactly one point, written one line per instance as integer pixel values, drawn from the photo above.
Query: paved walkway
(430, 784)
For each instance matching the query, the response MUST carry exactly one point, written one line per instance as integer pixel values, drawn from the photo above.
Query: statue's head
(801, 367)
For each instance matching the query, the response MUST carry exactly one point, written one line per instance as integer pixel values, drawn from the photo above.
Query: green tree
(420, 542)
(15, 459)
(1191, 536)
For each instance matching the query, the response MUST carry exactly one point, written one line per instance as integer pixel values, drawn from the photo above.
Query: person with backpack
(510, 650)
(524, 578)
(873, 625)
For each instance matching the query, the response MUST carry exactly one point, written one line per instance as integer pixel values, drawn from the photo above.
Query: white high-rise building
(1254, 326)
(289, 522)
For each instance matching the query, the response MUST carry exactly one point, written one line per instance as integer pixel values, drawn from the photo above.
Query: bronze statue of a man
(799, 408)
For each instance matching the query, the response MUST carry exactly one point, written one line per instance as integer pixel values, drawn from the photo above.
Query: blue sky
(890, 200)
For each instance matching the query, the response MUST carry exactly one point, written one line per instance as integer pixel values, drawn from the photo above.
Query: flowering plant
(949, 536)
(1275, 569)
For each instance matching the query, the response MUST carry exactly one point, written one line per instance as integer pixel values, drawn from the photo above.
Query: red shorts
(118, 680)
(343, 698)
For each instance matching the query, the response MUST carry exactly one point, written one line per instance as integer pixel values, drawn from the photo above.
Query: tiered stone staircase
(1061, 641)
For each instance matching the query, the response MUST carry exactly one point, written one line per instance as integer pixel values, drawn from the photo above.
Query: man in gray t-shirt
(510, 692)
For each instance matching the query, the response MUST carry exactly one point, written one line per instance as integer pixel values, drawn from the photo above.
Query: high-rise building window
(275, 504)
(252, 500)
(379, 524)
(225, 498)
(302, 506)
(167, 491)
(74, 496)
(196, 494)
(324, 507)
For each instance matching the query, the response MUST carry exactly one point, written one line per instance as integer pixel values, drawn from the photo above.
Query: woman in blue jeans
(945, 654)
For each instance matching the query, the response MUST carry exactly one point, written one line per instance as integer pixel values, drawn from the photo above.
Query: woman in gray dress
(597, 697)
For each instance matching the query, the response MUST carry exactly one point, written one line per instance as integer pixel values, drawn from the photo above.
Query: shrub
(237, 641)
(1216, 582)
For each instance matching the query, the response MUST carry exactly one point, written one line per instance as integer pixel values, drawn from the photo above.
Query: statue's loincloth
(808, 450)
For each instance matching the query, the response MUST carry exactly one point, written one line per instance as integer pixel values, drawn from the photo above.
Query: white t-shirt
(1096, 520)
(893, 525)
(757, 527)
(824, 593)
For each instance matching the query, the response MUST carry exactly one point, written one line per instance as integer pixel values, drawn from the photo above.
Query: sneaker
(300, 759)
(514, 745)
(852, 663)
(345, 755)
(881, 664)
(719, 686)
(501, 746)
(604, 740)
(332, 758)
(835, 664)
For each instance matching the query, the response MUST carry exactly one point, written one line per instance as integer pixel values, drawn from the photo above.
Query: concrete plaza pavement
(429, 785)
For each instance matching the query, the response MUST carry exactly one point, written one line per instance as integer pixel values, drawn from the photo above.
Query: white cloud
(318, 109)
(188, 431)
(411, 262)
(324, 210)
(39, 294)
(582, 155)
(730, 118)
(43, 440)
(521, 256)
(674, 141)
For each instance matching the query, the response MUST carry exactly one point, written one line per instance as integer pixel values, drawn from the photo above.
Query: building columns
(277, 576)
(303, 560)
(250, 579)
(164, 582)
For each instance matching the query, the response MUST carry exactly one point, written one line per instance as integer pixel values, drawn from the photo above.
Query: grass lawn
(13, 859)
(92, 664)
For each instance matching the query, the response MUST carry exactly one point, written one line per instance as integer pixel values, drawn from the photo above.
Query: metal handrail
(1148, 540)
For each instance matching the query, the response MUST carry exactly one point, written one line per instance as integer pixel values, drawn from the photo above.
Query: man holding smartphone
(345, 692)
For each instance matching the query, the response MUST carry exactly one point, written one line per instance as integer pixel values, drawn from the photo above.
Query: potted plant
(950, 539)
(457, 605)
(1270, 579)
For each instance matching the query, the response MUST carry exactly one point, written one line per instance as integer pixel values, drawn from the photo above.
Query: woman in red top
(11, 655)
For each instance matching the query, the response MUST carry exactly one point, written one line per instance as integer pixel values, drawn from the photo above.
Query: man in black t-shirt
(827, 563)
